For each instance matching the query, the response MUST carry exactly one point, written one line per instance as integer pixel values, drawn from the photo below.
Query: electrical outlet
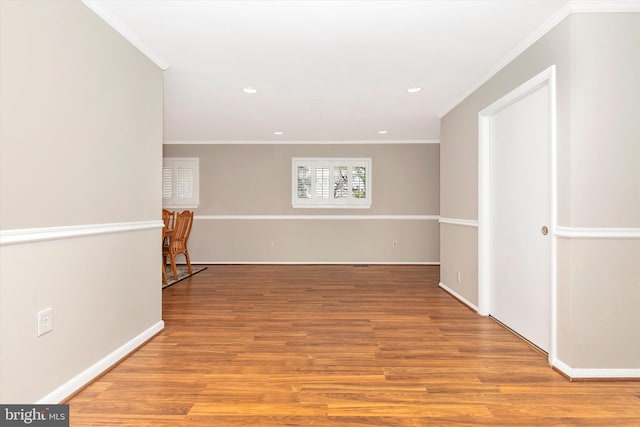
(45, 321)
(272, 244)
(394, 243)
(459, 277)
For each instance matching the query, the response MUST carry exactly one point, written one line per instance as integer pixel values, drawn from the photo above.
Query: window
(331, 183)
(180, 182)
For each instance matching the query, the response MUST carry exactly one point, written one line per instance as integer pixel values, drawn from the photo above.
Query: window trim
(174, 202)
(331, 162)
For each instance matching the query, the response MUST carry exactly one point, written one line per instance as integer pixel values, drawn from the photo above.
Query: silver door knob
(544, 230)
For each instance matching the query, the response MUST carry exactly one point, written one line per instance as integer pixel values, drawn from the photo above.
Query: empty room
(328, 213)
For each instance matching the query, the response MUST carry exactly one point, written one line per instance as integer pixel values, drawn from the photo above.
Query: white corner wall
(598, 205)
(80, 156)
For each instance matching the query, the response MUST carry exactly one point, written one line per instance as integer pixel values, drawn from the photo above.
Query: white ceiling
(325, 70)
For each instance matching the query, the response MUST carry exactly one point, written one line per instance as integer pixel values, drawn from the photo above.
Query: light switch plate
(45, 321)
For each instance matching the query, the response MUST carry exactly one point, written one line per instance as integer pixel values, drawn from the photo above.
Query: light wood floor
(338, 346)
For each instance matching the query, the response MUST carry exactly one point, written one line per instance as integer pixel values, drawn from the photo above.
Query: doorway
(516, 216)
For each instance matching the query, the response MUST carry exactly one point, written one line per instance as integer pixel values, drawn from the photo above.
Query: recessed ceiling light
(383, 132)
(250, 90)
(414, 89)
(278, 132)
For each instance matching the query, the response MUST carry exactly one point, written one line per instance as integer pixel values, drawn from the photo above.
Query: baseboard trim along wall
(458, 297)
(356, 263)
(572, 373)
(306, 142)
(27, 235)
(85, 377)
(602, 374)
(318, 217)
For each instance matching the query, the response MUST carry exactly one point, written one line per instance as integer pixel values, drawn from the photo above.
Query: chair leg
(164, 273)
(173, 266)
(186, 256)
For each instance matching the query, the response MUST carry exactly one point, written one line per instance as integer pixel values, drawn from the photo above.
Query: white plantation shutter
(184, 182)
(167, 184)
(180, 182)
(322, 182)
(304, 182)
(341, 182)
(331, 182)
(359, 180)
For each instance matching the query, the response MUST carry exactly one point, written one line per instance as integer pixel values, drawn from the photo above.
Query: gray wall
(605, 120)
(604, 285)
(80, 144)
(239, 180)
(459, 153)
(598, 88)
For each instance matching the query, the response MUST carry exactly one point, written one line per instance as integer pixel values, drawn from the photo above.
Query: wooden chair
(169, 219)
(178, 241)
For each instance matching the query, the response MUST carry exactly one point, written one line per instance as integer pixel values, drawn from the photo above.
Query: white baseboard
(299, 142)
(586, 373)
(318, 217)
(316, 262)
(85, 377)
(459, 297)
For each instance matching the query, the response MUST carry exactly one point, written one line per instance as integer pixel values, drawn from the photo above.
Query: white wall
(605, 192)
(459, 154)
(598, 87)
(80, 144)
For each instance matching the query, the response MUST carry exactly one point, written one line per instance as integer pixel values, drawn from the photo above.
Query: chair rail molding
(27, 235)
(459, 221)
(597, 232)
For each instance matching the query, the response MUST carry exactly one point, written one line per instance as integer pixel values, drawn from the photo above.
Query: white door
(520, 206)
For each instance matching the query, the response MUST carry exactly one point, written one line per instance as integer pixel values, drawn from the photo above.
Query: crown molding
(573, 6)
(125, 32)
(604, 6)
(536, 35)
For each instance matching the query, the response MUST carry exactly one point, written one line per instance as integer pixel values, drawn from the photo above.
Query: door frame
(545, 78)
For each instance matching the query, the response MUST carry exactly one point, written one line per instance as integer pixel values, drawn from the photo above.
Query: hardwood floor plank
(327, 345)
(296, 421)
(258, 408)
